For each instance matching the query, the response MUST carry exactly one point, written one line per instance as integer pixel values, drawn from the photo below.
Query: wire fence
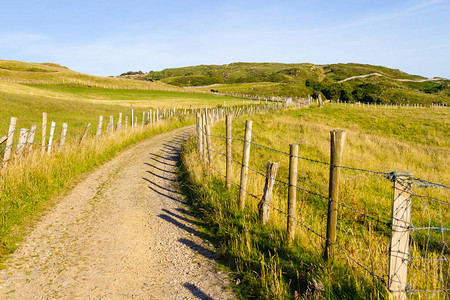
(423, 223)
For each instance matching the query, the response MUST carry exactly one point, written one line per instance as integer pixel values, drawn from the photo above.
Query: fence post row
(399, 244)
(229, 119)
(264, 204)
(292, 193)
(245, 162)
(337, 147)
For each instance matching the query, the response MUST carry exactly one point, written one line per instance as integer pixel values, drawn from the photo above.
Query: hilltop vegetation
(373, 84)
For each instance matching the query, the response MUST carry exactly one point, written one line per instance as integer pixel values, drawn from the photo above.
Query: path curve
(122, 233)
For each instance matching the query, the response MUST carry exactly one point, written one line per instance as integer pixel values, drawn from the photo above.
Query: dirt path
(122, 233)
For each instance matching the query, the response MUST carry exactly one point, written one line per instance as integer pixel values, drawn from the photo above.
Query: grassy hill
(374, 84)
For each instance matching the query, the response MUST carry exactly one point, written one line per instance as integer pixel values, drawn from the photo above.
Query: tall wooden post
(245, 162)
(132, 118)
(44, 130)
(229, 119)
(119, 123)
(199, 134)
(204, 137)
(337, 147)
(399, 246)
(264, 204)
(10, 139)
(292, 194)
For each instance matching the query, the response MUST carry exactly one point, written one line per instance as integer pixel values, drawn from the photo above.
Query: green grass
(378, 139)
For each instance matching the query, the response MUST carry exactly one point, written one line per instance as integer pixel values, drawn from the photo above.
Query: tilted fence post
(85, 132)
(400, 229)
(264, 204)
(204, 137)
(22, 141)
(228, 163)
(30, 140)
(10, 139)
(337, 147)
(292, 194)
(245, 162)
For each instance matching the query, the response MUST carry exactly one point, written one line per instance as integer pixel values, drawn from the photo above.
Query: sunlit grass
(379, 139)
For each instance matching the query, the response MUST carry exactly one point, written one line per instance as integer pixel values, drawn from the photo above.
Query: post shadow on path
(196, 291)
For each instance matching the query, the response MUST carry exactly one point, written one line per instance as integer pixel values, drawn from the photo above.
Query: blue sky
(112, 37)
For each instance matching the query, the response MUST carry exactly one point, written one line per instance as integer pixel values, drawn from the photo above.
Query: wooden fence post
(99, 126)
(292, 193)
(85, 132)
(111, 124)
(22, 141)
(204, 137)
(132, 118)
(264, 204)
(208, 143)
(199, 134)
(245, 162)
(229, 119)
(126, 122)
(400, 228)
(63, 135)
(50, 138)
(10, 139)
(44, 130)
(119, 123)
(337, 147)
(30, 140)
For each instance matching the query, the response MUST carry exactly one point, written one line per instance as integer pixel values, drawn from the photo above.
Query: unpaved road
(122, 233)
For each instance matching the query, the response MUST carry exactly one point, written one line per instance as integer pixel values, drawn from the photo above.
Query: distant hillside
(347, 82)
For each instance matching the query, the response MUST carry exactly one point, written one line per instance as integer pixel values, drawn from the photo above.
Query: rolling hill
(348, 82)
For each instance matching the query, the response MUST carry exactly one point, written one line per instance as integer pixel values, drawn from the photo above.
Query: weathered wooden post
(264, 204)
(83, 136)
(204, 137)
(10, 139)
(63, 135)
(111, 124)
(50, 138)
(99, 126)
(30, 139)
(199, 134)
(292, 194)
(400, 229)
(245, 162)
(119, 123)
(132, 118)
(229, 119)
(44, 130)
(22, 141)
(337, 147)
(208, 143)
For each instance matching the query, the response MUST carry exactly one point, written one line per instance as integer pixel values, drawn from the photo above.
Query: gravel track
(122, 233)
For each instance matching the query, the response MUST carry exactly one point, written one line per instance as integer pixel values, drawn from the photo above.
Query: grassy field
(378, 139)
